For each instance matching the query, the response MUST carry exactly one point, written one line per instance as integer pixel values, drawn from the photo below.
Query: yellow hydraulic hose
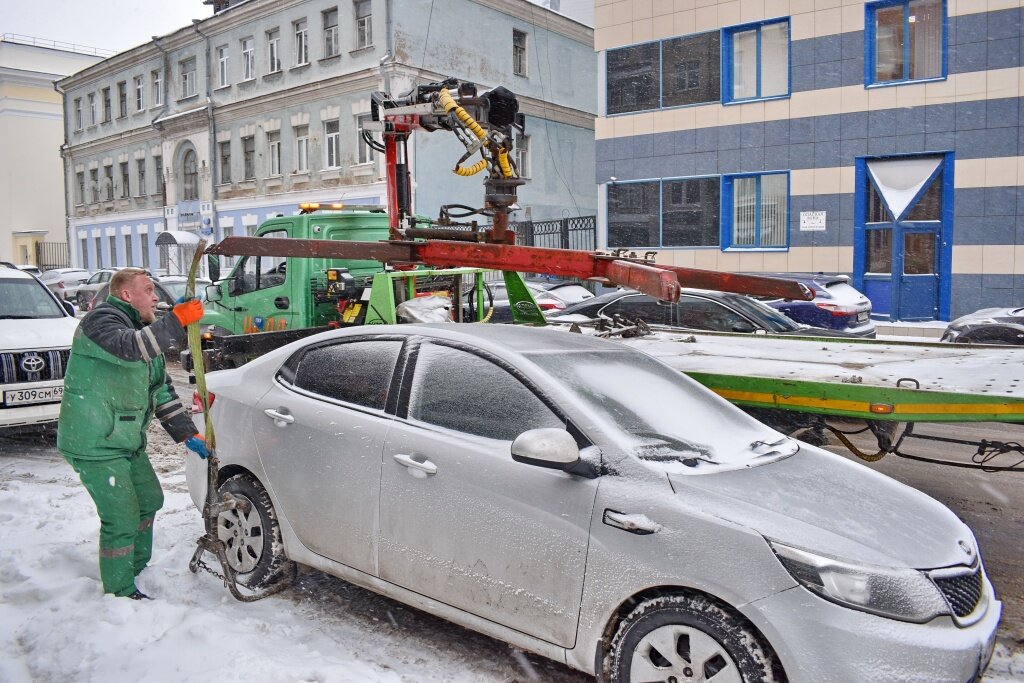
(446, 100)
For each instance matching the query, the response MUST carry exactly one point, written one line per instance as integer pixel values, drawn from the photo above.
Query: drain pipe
(64, 154)
(212, 127)
(389, 48)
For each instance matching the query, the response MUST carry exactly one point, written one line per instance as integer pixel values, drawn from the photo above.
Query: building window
(248, 59)
(112, 244)
(156, 78)
(80, 188)
(332, 143)
(92, 109)
(249, 157)
(691, 69)
(756, 61)
(632, 79)
(274, 51)
(125, 184)
(107, 109)
(94, 184)
(331, 46)
(83, 252)
(122, 99)
(301, 43)
(274, 146)
(364, 23)
(670, 213)
(189, 177)
(906, 41)
(144, 248)
(140, 170)
(140, 93)
(78, 113)
(301, 149)
(158, 168)
(129, 257)
(188, 77)
(518, 53)
(364, 153)
(225, 162)
(222, 66)
(522, 152)
(757, 210)
(108, 183)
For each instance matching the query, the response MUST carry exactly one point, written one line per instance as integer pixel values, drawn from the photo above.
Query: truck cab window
(261, 272)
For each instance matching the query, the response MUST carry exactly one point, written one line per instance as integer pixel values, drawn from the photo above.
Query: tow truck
(811, 384)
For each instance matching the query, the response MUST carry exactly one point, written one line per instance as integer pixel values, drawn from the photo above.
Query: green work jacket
(116, 381)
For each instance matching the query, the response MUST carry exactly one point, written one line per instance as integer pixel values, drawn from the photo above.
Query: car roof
(15, 274)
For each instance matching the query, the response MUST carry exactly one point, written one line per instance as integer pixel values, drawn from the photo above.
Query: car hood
(40, 333)
(828, 505)
(990, 315)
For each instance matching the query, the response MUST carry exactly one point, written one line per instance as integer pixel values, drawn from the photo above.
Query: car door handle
(634, 524)
(415, 465)
(280, 419)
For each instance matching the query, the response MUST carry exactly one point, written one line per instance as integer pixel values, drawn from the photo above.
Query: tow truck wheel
(252, 539)
(689, 638)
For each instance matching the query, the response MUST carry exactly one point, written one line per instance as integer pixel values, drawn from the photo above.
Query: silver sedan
(581, 500)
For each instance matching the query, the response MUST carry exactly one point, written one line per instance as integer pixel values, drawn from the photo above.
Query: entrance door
(903, 223)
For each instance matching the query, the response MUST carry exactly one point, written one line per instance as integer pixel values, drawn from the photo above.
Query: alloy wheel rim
(242, 535)
(682, 654)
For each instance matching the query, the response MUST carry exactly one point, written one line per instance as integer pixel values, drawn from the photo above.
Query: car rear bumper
(821, 642)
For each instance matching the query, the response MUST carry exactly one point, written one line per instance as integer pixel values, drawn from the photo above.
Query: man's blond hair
(122, 279)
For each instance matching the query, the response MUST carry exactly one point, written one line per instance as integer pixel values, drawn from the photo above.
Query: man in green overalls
(115, 383)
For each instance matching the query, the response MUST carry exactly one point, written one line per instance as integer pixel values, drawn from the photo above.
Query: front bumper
(32, 414)
(821, 642)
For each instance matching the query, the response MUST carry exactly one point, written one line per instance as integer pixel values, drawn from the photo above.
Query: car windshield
(177, 289)
(673, 423)
(26, 299)
(768, 316)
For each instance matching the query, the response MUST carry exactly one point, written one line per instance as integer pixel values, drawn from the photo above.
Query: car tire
(689, 637)
(252, 540)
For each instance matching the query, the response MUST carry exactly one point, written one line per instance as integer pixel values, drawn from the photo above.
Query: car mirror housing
(212, 293)
(68, 307)
(548, 447)
(163, 306)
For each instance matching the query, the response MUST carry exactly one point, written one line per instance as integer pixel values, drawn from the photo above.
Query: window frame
(726, 213)
(248, 58)
(108, 182)
(363, 24)
(140, 172)
(301, 150)
(125, 170)
(80, 188)
(522, 155)
(332, 36)
(107, 104)
(870, 44)
(79, 116)
(224, 162)
(249, 157)
(188, 77)
(300, 31)
(364, 153)
(156, 78)
(287, 374)
(661, 213)
(139, 84)
(223, 73)
(274, 51)
(520, 54)
(332, 144)
(92, 108)
(274, 151)
(728, 33)
(122, 99)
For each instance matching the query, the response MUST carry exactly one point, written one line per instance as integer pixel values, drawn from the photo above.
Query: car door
(261, 292)
(464, 524)
(319, 432)
(640, 306)
(704, 314)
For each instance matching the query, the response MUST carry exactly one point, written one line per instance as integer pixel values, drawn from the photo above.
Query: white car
(36, 330)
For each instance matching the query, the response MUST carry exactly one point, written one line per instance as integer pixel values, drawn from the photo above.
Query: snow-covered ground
(55, 624)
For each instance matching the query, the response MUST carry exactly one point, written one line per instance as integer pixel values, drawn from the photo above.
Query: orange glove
(189, 312)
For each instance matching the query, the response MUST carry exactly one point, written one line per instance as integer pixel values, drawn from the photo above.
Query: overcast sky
(106, 24)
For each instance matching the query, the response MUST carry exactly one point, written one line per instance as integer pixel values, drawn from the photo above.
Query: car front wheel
(680, 638)
(252, 539)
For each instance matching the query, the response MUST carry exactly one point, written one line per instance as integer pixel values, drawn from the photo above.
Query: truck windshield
(660, 415)
(27, 299)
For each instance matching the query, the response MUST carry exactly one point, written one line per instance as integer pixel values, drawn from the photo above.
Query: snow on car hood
(36, 334)
(829, 505)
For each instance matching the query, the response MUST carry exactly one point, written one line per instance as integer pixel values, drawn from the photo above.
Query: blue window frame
(664, 213)
(755, 61)
(755, 210)
(905, 40)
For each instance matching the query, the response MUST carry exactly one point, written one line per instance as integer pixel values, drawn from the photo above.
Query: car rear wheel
(252, 539)
(681, 638)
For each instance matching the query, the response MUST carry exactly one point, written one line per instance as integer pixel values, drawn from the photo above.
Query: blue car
(836, 305)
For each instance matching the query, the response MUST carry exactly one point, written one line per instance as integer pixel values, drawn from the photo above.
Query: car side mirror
(68, 307)
(742, 326)
(548, 447)
(213, 266)
(163, 306)
(213, 293)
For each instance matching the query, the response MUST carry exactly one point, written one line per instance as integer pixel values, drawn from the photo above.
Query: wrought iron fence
(566, 233)
(52, 255)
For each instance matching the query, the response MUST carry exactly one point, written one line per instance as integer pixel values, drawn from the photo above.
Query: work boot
(139, 595)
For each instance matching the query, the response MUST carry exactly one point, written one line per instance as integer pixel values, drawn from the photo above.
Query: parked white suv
(36, 330)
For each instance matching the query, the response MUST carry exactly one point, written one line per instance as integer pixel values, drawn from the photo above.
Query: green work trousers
(127, 494)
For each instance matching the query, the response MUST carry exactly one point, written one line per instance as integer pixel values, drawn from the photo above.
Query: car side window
(459, 390)
(702, 314)
(353, 372)
(639, 306)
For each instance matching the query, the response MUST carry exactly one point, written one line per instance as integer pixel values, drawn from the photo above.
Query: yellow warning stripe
(1015, 408)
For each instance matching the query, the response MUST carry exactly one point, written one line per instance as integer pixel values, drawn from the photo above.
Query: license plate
(862, 317)
(17, 397)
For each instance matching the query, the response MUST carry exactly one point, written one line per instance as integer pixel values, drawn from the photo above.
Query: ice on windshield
(663, 417)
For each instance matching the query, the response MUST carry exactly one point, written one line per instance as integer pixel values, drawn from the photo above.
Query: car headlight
(904, 594)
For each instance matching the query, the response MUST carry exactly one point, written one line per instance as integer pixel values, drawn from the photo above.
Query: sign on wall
(812, 221)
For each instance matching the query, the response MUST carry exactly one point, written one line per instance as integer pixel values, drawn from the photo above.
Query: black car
(988, 326)
(696, 309)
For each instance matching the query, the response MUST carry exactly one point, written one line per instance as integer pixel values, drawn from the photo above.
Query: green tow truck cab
(268, 301)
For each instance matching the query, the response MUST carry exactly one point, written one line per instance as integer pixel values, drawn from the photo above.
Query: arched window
(190, 177)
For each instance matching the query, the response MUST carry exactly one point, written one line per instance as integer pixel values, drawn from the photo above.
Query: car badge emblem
(32, 362)
(965, 547)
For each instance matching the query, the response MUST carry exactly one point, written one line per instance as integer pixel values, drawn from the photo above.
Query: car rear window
(842, 292)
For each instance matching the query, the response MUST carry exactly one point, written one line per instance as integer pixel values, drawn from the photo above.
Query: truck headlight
(904, 594)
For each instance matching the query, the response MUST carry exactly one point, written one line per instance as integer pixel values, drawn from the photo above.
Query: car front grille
(33, 366)
(962, 592)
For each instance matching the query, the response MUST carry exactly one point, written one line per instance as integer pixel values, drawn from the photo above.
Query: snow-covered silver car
(583, 501)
